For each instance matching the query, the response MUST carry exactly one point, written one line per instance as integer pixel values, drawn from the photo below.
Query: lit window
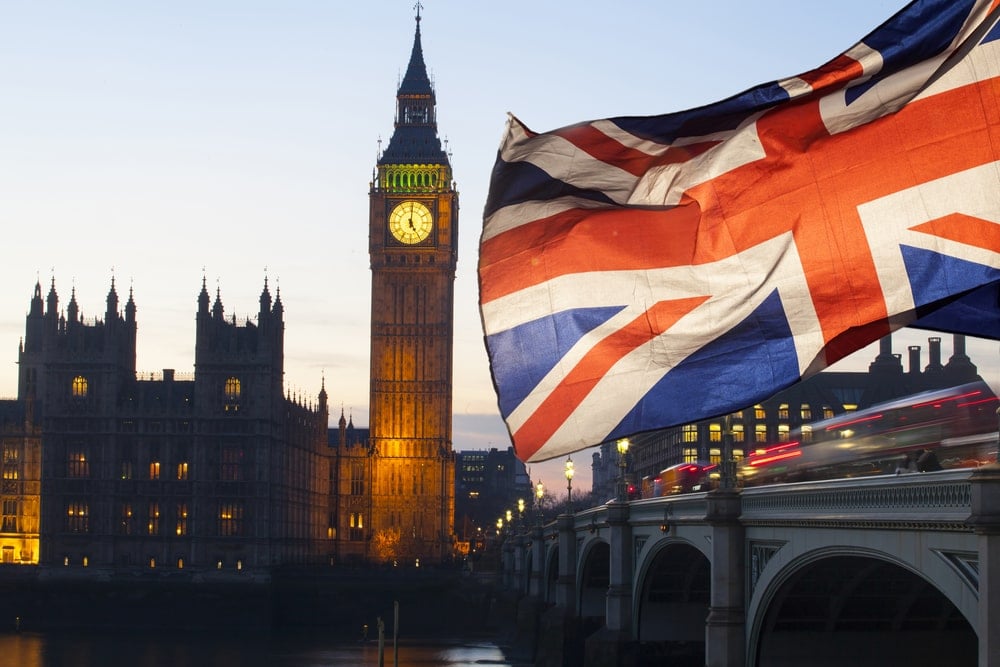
(690, 455)
(152, 562)
(806, 412)
(715, 432)
(714, 455)
(79, 387)
(180, 563)
(125, 525)
(807, 433)
(153, 524)
(86, 561)
(850, 407)
(783, 411)
(182, 470)
(154, 469)
(77, 517)
(182, 519)
(738, 434)
(760, 433)
(356, 532)
(738, 454)
(827, 412)
(759, 412)
(230, 519)
(690, 432)
(232, 391)
(77, 464)
(782, 432)
(9, 516)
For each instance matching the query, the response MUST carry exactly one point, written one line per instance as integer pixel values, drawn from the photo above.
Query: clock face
(410, 222)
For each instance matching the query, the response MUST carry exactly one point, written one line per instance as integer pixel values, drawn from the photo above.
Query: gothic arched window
(232, 391)
(79, 387)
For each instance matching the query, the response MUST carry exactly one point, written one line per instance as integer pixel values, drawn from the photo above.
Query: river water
(185, 649)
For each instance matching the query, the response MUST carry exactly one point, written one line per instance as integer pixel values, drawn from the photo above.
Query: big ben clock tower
(413, 245)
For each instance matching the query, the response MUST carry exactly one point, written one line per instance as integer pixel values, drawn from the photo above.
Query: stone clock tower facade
(413, 245)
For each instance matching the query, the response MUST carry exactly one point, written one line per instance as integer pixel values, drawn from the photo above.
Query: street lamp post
(520, 511)
(622, 445)
(727, 478)
(569, 483)
(539, 494)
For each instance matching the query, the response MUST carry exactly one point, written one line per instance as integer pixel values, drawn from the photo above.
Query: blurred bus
(957, 425)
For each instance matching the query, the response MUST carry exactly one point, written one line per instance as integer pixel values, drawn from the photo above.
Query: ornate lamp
(569, 482)
(622, 446)
(539, 494)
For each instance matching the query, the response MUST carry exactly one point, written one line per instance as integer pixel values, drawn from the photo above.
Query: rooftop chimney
(914, 359)
(935, 356)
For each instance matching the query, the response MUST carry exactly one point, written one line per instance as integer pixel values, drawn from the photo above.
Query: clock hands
(410, 222)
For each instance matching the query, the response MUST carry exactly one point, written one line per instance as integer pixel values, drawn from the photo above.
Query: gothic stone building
(220, 474)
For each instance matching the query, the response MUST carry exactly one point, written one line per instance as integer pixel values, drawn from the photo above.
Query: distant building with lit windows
(216, 473)
(20, 483)
(772, 421)
(488, 482)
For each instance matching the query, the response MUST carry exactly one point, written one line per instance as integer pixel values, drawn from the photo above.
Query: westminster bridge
(874, 571)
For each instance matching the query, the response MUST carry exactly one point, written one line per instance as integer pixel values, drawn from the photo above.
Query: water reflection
(195, 650)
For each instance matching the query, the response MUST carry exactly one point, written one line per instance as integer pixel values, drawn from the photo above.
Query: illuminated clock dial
(410, 222)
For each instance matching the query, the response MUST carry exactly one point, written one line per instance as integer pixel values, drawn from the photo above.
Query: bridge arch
(672, 601)
(592, 584)
(550, 575)
(525, 582)
(835, 606)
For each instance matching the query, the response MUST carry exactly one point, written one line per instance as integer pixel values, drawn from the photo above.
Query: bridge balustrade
(942, 529)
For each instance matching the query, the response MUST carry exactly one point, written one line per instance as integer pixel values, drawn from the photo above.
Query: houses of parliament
(221, 473)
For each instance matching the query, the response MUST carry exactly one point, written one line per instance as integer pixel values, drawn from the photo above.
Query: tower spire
(414, 139)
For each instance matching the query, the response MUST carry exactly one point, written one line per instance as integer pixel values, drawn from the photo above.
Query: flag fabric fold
(637, 273)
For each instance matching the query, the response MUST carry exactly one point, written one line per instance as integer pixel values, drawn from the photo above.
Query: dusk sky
(161, 143)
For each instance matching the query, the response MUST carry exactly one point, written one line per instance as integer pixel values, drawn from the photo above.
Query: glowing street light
(569, 482)
(622, 446)
(539, 494)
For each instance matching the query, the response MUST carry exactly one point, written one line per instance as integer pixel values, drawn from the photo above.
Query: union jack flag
(642, 272)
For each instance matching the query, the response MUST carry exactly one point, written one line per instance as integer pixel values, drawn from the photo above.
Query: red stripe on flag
(595, 143)
(579, 382)
(965, 229)
(580, 240)
(837, 72)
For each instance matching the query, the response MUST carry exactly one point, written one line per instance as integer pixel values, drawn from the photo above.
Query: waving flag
(642, 272)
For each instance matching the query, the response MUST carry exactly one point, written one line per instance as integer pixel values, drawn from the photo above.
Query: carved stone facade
(218, 474)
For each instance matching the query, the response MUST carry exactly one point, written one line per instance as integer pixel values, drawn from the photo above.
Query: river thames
(185, 649)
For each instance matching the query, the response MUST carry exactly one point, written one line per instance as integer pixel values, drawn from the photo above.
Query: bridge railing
(929, 501)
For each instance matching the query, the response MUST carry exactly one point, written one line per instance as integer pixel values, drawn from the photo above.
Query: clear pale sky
(164, 142)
